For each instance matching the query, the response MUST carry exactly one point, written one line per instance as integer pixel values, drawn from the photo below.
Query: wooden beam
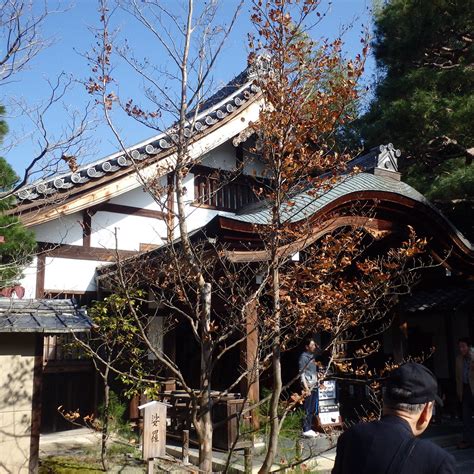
(86, 229)
(322, 229)
(78, 252)
(131, 211)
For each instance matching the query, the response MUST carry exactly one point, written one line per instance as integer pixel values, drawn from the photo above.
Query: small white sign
(329, 418)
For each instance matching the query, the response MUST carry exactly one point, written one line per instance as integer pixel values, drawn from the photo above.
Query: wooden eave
(390, 212)
(102, 189)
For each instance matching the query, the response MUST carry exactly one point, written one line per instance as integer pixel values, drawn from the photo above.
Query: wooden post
(250, 385)
(36, 404)
(398, 338)
(185, 446)
(40, 274)
(248, 460)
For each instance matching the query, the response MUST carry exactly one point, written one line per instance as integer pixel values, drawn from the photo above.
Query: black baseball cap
(418, 383)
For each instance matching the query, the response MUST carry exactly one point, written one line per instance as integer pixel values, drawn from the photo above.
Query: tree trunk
(204, 421)
(205, 443)
(105, 424)
(205, 448)
(277, 382)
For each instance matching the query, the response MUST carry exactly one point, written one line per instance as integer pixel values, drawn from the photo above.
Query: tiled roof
(306, 204)
(42, 315)
(228, 100)
(438, 299)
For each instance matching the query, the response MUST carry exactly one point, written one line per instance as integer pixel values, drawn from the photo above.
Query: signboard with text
(154, 430)
(328, 390)
(328, 407)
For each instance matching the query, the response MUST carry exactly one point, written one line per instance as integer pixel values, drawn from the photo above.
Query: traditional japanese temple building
(84, 220)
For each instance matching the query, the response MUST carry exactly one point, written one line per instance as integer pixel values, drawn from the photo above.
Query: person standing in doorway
(465, 390)
(308, 371)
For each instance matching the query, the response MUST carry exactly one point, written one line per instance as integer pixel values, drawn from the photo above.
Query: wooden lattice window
(216, 190)
(62, 347)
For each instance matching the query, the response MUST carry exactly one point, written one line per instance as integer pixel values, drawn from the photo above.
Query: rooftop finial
(259, 65)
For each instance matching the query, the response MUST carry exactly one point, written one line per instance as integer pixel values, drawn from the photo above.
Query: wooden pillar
(399, 337)
(36, 404)
(250, 385)
(40, 275)
(185, 449)
(86, 229)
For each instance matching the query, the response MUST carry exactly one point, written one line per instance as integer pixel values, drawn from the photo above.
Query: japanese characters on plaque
(154, 430)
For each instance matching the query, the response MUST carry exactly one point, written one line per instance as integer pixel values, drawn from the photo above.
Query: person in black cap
(390, 445)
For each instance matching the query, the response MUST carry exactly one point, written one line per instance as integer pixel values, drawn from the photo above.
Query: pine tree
(424, 99)
(19, 243)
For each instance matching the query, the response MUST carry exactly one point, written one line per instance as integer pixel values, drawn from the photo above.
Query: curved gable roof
(353, 187)
(449, 245)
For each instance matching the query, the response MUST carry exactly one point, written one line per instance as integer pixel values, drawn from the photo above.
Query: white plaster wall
(16, 391)
(28, 282)
(64, 230)
(64, 274)
(131, 231)
(198, 217)
(139, 198)
(222, 157)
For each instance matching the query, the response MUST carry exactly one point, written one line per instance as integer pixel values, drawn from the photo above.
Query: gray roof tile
(42, 315)
(438, 299)
(228, 100)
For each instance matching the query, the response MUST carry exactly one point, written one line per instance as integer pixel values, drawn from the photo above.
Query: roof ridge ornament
(386, 162)
(388, 157)
(259, 66)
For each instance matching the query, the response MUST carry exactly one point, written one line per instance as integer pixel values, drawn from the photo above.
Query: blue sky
(72, 37)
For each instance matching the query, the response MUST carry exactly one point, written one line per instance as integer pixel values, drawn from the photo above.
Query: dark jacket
(370, 448)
